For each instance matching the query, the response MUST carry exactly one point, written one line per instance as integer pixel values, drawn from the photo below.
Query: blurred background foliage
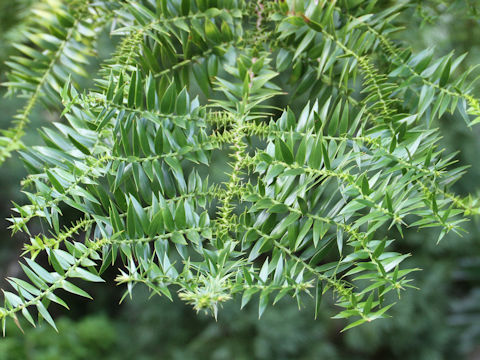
(441, 320)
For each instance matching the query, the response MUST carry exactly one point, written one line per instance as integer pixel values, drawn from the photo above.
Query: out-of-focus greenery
(442, 321)
(90, 336)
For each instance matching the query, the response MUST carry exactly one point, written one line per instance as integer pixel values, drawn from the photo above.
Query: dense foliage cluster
(231, 147)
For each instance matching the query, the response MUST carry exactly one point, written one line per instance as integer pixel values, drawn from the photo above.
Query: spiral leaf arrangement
(190, 173)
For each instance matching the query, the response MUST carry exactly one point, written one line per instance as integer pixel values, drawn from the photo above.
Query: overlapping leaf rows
(313, 194)
(58, 43)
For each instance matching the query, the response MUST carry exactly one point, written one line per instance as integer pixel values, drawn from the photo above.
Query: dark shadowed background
(441, 320)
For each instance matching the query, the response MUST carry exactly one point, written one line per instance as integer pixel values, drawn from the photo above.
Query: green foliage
(92, 336)
(314, 193)
(57, 43)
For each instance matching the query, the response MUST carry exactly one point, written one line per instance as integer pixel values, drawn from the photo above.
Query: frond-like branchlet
(57, 44)
(193, 174)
